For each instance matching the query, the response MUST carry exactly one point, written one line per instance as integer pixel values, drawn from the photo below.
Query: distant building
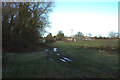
(69, 39)
(78, 38)
(87, 38)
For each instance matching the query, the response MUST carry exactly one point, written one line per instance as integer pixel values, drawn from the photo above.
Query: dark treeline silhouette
(23, 23)
(60, 36)
(49, 38)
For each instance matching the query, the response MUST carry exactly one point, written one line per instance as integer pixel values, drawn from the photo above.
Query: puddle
(55, 49)
(66, 59)
(63, 60)
(58, 54)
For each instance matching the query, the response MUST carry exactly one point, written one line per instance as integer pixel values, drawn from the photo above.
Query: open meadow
(60, 39)
(87, 59)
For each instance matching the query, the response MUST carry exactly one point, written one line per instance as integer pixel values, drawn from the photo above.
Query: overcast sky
(97, 18)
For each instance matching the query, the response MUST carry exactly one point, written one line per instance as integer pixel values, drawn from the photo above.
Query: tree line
(79, 36)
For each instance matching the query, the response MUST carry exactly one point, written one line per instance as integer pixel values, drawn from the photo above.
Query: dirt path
(77, 71)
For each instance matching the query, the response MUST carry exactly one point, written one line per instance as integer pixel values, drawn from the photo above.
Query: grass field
(86, 62)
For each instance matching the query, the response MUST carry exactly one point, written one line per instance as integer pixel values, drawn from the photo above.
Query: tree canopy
(111, 34)
(49, 38)
(79, 34)
(24, 22)
(60, 35)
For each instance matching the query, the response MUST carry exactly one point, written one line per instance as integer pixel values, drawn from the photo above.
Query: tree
(111, 34)
(96, 37)
(100, 36)
(89, 34)
(60, 35)
(117, 35)
(79, 34)
(24, 22)
(49, 38)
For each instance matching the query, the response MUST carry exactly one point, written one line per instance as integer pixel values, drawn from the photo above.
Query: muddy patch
(60, 56)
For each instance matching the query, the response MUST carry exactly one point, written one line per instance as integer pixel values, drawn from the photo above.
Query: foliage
(117, 35)
(100, 37)
(111, 34)
(60, 35)
(79, 34)
(89, 34)
(23, 23)
(49, 38)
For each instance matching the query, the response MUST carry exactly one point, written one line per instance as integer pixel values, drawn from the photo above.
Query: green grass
(92, 43)
(86, 62)
(25, 65)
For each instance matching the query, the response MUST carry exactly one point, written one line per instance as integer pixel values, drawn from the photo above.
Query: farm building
(69, 39)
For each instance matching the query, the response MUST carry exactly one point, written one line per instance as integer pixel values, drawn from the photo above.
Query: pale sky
(97, 18)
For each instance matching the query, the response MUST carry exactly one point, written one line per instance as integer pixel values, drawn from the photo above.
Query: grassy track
(86, 62)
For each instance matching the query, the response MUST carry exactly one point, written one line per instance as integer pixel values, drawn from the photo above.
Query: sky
(97, 18)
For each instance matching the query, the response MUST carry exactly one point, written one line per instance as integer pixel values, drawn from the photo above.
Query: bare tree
(111, 34)
(89, 34)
